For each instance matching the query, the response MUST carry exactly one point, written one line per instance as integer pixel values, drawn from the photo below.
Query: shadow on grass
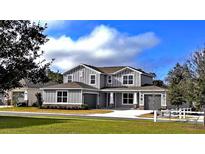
(20, 122)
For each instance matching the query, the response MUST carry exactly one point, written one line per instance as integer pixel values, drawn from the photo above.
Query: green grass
(35, 109)
(78, 125)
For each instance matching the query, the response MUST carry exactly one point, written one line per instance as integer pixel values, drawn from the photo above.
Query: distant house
(26, 93)
(106, 87)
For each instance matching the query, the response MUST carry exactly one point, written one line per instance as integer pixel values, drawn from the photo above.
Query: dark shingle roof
(113, 69)
(78, 85)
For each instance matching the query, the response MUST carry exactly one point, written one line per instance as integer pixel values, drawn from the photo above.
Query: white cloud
(103, 46)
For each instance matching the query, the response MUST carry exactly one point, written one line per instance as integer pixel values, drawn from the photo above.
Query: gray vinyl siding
(146, 80)
(102, 100)
(103, 80)
(117, 78)
(50, 96)
(86, 76)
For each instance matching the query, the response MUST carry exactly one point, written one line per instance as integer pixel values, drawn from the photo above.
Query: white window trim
(71, 77)
(90, 79)
(108, 79)
(127, 103)
(128, 75)
(61, 96)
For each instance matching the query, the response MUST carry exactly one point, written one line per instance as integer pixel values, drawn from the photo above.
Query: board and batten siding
(86, 76)
(117, 78)
(146, 80)
(50, 96)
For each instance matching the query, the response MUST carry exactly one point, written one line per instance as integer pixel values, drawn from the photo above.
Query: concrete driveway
(128, 114)
(123, 113)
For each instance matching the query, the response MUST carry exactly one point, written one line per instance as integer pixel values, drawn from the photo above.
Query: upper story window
(70, 78)
(109, 79)
(128, 79)
(62, 96)
(92, 79)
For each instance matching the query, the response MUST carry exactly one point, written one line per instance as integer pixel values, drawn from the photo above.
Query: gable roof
(70, 85)
(110, 69)
(114, 69)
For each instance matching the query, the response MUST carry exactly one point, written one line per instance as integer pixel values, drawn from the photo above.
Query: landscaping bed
(36, 109)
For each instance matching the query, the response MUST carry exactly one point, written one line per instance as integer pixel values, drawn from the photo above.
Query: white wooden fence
(182, 114)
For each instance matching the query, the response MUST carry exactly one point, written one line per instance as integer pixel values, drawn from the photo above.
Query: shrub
(35, 105)
(84, 106)
(21, 104)
(8, 102)
(39, 100)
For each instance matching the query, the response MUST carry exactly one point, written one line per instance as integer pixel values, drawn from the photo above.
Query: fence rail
(182, 114)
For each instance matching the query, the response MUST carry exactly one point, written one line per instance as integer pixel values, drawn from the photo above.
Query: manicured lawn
(77, 125)
(35, 109)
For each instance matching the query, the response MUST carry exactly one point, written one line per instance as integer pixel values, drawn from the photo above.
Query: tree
(20, 53)
(39, 100)
(158, 83)
(55, 76)
(174, 79)
(197, 66)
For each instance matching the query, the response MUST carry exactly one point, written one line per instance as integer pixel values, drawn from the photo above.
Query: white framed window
(93, 79)
(127, 98)
(109, 79)
(70, 78)
(128, 79)
(62, 96)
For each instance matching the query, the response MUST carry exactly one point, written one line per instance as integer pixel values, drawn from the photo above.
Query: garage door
(152, 102)
(90, 100)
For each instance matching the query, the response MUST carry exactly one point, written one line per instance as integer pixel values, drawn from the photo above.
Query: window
(92, 79)
(128, 98)
(109, 79)
(62, 96)
(70, 78)
(127, 79)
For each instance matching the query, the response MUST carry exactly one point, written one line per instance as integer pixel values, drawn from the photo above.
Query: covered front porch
(133, 99)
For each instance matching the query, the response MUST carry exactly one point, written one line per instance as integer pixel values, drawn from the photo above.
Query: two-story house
(106, 87)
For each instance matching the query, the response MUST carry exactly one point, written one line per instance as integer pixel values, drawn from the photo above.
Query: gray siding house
(26, 93)
(106, 87)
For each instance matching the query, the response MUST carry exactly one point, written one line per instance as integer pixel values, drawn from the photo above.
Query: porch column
(111, 98)
(135, 98)
(141, 100)
(98, 101)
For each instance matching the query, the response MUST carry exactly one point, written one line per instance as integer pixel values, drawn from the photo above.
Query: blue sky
(159, 44)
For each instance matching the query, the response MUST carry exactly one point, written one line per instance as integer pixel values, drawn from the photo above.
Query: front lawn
(78, 125)
(35, 109)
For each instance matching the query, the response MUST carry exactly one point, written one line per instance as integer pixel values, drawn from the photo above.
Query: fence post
(155, 115)
(180, 113)
(184, 114)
